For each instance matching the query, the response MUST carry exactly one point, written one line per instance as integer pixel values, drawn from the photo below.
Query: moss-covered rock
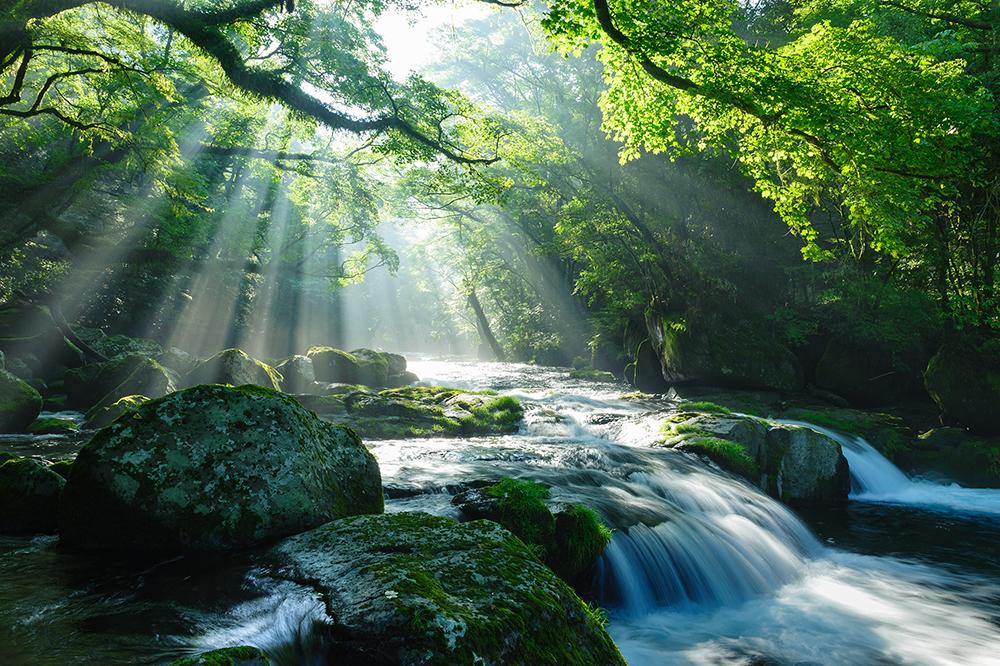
(418, 411)
(102, 415)
(297, 374)
(178, 361)
(102, 384)
(417, 589)
(592, 374)
(213, 468)
(794, 464)
(111, 346)
(29, 497)
(698, 349)
(62, 467)
(51, 425)
(234, 367)
(963, 378)
(232, 656)
(569, 541)
(361, 366)
(19, 403)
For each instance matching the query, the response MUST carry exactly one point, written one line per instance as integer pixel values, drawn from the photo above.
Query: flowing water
(703, 568)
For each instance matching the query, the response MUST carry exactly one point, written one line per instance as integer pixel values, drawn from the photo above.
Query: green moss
(521, 509)
(499, 415)
(704, 406)
(825, 420)
(725, 453)
(580, 537)
(50, 425)
(233, 656)
(62, 467)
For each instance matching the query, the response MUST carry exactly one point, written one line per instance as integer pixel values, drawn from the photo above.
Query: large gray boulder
(29, 496)
(215, 468)
(794, 464)
(361, 366)
(19, 403)
(410, 588)
(235, 367)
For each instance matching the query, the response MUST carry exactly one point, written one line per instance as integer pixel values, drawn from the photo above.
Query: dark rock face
(863, 374)
(215, 468)
(963, 378)
(737, 354)
(102, 384)
(235, 367)
(417, 589)
(19, 403)
(29, 497)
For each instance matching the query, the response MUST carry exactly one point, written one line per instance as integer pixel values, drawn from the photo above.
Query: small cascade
(875, 479)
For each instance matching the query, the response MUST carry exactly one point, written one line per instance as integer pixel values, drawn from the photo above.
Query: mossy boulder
(62, 467)
(178, 360)
(111, 346)
(214, 468)
(102, 384)
(410, 588)
(794, 464)
(569, 541)
(19, 403)
(101, 416)
(232, 656)
(29, 497)
(963, 378)
(234, 367)
(694, 348)
(297, 374)
(52, 425)
(29, 332)
(361, 366)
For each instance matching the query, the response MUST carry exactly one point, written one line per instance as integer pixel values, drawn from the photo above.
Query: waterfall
(875, 479)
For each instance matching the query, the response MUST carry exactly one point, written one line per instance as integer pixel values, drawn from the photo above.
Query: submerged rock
(214, 468)
(235, 367)
(29, 497)
(963, 378)
(794, 464)
(19, 403)
(411, 588)
(297, 374)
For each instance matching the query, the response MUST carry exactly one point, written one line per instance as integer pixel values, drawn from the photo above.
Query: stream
(703, 567)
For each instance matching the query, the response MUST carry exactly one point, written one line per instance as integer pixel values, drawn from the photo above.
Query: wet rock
(794, 464)
(963, 378)
(410, 588)
(215, 468)
(19, 403)
(235, 367)
(51, 425)
(297, 374)
(231, 656)
(178, 360)
(569, 541)
(29, 497)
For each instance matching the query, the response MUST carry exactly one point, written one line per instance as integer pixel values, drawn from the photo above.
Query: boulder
(410, 588)
(112, 346)
(963, 378)
(102, 384)
(29, 497)
(235, 367)
(103, 415)
(695, 349)
(297, 374)
(19, 403)
(29, 331)
(178, 360)
(569, 541)
(215, 468)
(361, 366)
(794, 464)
